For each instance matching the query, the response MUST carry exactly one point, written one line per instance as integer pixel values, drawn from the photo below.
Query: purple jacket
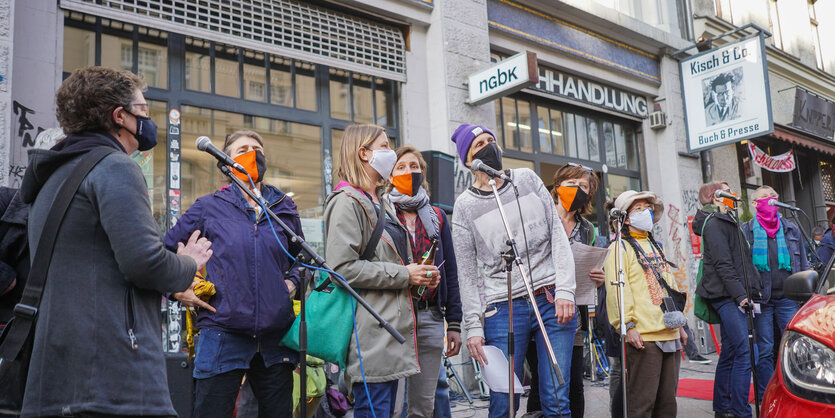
(247, 266)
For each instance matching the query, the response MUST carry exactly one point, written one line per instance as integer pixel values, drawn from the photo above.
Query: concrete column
(6, 68)
(38, 62)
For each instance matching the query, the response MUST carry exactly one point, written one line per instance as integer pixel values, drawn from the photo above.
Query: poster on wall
(726, 94)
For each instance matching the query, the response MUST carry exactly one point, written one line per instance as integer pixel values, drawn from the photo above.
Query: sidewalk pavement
(597, 396)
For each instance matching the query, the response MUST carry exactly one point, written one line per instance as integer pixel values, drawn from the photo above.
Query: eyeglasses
(142, 106)
(581, 166)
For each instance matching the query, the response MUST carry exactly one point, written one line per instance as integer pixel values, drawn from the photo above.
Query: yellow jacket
(642, 293)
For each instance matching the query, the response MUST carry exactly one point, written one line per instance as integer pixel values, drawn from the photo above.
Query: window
(79, 48)
(152, 64)
(255, 76)
(154, 164)
(816, 42)
(620, 184)
(774, 18)
(360, 98)
(227, 80)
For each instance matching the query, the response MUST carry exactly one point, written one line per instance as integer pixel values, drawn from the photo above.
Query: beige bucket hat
(627, 198)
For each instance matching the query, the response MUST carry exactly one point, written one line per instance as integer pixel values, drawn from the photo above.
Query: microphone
(478, 165)
(205, 144)
(779, 204)
(616, 213)
(722, 194)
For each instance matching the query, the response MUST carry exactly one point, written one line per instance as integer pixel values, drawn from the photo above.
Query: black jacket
(725, 256)
(14, 250)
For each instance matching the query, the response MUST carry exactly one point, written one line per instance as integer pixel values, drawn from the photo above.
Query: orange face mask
(254, 163)
(408, 183)
(730, 202)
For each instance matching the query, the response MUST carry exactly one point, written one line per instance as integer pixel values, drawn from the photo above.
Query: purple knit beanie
(464, 136)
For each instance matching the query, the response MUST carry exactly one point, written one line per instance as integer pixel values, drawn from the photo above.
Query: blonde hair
(350, 166)
(756, 193)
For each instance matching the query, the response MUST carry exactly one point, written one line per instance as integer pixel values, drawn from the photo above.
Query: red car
(803, 384)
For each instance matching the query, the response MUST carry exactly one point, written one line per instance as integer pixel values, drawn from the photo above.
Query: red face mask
(254, 163)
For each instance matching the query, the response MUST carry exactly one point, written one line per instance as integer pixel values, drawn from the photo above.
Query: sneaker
(698, 358)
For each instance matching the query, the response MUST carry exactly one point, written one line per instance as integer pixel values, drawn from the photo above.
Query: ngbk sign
(508, 76)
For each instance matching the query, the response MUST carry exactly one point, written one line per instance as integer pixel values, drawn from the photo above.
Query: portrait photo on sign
(724, 95)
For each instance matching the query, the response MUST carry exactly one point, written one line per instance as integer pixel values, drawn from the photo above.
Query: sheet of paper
(586, 259)
(495, 371)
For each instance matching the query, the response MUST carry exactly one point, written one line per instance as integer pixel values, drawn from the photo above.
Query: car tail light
(808, 367)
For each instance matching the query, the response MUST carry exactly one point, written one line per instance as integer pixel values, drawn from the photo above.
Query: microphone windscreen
(674, 319)
(203, 142)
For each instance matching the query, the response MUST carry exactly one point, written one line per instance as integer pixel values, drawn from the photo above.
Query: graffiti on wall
(677, 237)
(26, 131)
(690, 202)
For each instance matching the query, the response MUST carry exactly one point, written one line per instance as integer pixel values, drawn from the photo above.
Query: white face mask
(642, 220)
(383, 161)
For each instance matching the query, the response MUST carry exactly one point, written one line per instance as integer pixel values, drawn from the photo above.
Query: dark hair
(607, 207)
(231, 138)
(721, 80)
(87, 98)
(568, 172)
(706, 192)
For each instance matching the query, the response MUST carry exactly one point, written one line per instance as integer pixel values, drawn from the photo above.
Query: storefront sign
(726, 94)
(508, 76)
(589, 92)
(779, 164)
(813, 114)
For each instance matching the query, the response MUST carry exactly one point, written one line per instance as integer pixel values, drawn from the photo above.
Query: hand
(634, 337)
(683, 335)
(418, 275)
(291, 288)
(474, 344)
(188, 298)
(453, 339)
(197, 248)
(743, 303)
(598, 277)
(564, 310)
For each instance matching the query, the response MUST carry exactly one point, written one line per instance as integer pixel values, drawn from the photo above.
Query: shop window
(546, 143)
(620, 145)
(593, 137)
(227, 79)
(511, 127)
(293, 151)
(199, 71)
(384, 102)
(609, 144)
(305, 86)
(828, 182)
(516, 163)
(152, 64)
(255, 77)
(571, 135)
(581, 136)
(116, 52)
(281, 81)
(620, 184)
(154, 163)
(525, 135)
(362, 99)
(632, 150)
(340, 94)
(79, 48)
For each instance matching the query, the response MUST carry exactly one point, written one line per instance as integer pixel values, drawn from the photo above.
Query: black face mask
(490, 155)
(572, 197)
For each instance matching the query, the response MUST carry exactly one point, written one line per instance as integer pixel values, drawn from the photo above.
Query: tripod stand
(620, 283)
(749, 310)
(451, 372)
(512, 257)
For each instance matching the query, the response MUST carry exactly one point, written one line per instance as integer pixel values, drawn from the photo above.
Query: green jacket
(382, 281)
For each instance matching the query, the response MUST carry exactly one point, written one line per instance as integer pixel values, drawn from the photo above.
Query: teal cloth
(760, 249)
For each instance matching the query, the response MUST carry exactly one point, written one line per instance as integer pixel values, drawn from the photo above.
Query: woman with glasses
(253, 283)
(654, 332)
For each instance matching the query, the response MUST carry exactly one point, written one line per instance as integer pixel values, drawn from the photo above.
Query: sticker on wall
(173, 130)
(174, 181)
(174, 117)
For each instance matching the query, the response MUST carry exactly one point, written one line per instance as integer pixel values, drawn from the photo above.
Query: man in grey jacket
(97, 339)
(480, 238)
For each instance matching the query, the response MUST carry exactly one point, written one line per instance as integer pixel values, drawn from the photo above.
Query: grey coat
(383, 281)
(109, 265)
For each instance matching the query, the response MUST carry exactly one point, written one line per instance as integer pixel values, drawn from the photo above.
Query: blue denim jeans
(525, 326)
(442, 406)
(776, 313)
(383, 396)
(732, 383)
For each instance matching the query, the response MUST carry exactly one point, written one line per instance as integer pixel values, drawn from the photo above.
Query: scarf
(420, 203)
(768, 217)
(760, 248)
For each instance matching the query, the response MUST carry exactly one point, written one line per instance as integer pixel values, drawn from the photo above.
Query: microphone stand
(749, 311)
(620, 283)
(512, 257)
(308, 255)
